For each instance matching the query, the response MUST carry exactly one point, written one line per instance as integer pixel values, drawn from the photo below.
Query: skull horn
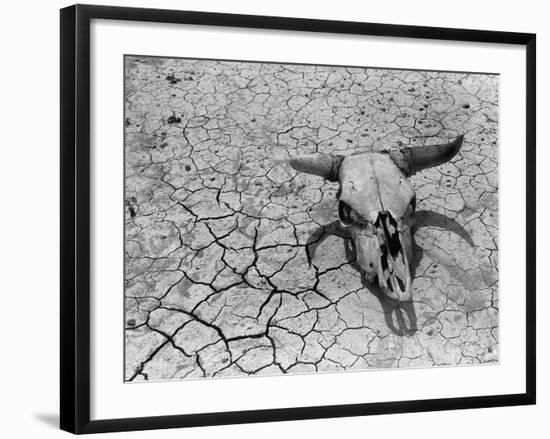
(417, 158)
(323, 165)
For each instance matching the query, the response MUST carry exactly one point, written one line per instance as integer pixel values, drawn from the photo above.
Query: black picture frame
(75, 218)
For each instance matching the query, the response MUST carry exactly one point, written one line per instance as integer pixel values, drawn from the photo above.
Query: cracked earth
(236, 264)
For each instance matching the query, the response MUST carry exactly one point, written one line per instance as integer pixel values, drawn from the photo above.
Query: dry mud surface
(235, 264)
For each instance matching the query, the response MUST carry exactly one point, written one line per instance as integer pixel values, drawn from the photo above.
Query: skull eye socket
(346, 214)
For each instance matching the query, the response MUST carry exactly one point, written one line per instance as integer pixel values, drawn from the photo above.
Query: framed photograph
(272, 218)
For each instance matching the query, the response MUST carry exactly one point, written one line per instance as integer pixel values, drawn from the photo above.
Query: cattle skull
(377, 204)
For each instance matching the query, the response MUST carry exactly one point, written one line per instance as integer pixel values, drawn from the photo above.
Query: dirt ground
(236, 265)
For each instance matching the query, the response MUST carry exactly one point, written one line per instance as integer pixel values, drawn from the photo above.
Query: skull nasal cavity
(388, 225)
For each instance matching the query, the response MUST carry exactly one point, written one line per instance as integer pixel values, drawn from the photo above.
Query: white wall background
(29, 206)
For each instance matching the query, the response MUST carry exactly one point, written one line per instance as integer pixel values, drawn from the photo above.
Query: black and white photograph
(271, 220)
(297, 219)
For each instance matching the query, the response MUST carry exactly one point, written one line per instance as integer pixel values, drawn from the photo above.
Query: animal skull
(377, 204)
